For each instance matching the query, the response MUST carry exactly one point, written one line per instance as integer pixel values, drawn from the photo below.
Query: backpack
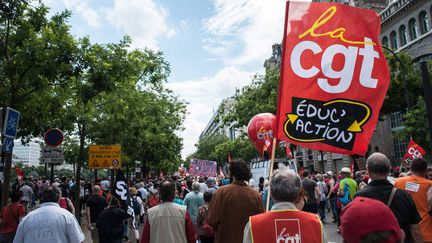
(207, 230)
(345, 199)
(153, 200)
(136, 206)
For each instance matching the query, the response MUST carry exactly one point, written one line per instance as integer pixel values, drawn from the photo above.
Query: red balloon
(260, 127)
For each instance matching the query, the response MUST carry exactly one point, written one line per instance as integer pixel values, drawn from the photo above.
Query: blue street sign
(11, 123)
(8, 144)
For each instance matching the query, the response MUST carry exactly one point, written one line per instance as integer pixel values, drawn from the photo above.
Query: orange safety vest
(286, 226)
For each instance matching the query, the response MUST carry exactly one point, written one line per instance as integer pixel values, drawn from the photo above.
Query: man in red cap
(369, 220)
(400, 202)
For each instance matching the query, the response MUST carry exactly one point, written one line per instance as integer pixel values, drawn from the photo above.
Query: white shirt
(49, 224)
(203, 187)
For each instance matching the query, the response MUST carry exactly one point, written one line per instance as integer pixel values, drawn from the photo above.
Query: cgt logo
(287, 231)
(414, 153)
(262, 134)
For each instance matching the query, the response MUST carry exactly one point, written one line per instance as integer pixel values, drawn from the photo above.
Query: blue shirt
(193, 201)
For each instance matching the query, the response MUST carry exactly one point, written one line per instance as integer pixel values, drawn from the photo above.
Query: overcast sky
(213, 46)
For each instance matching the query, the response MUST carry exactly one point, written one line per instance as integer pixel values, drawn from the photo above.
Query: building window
(424, 22)
(400, 146)
(393, 40)
(396, 119)
(403, 35)
(413, 29)
(384, 41)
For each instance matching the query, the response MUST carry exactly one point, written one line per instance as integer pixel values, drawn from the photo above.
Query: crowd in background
(224, 209)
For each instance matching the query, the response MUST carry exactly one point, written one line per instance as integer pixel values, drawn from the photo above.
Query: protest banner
(334, 77)
(202, 168)
(413, 151)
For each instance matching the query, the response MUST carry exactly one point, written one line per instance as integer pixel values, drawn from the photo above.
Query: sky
(213, 46)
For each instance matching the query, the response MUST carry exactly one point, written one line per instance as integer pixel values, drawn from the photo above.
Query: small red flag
(267, 144)
(221, 174)
(413, 151)
(19, 173)
(288, 151)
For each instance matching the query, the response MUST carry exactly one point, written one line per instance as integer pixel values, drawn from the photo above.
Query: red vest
(286, 226)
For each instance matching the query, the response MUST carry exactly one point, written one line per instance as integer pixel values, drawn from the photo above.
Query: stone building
(377, 5)
(406, 26)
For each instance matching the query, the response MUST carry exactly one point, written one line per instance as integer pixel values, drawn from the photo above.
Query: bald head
(378, 164)
(96, 189)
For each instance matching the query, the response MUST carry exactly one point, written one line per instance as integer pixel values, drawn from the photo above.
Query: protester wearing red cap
(399, 202)
(369, 220)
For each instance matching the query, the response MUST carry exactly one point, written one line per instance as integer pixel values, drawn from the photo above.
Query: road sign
(104, 157)
(8, 144)
(52, 155)
(11, 123)
(54, 137)
(137, 166)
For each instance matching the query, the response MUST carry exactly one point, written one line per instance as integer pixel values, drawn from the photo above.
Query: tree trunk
(78, 169)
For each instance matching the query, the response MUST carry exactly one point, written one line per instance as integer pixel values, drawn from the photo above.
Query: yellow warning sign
(104, 157)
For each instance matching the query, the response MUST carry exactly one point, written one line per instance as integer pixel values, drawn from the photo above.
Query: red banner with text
(334, 77)
(413, 151)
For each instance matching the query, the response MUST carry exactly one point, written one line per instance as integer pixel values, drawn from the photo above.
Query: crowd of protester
(373, 205)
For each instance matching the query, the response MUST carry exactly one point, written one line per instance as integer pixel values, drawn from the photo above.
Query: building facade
(28, 154)
(377, 5)
(216, 125)
(406, 25)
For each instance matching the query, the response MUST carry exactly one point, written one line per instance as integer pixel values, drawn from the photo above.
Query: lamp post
(428, 98)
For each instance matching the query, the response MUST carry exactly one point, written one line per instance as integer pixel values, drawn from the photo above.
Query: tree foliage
(416, 125)
(259, 97)
(36, 63)
(402, 72)
(96, 93)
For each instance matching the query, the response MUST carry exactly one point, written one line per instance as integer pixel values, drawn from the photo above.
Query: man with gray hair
(193, 201)
(399, 201)
(50, 223)
(284, 223)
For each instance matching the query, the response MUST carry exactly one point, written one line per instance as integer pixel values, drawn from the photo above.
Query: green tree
(259, 97)
(402, 72)
(145, 124)
(104, 73)
(31, 45)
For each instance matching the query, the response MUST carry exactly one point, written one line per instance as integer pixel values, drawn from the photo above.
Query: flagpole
(271, 173)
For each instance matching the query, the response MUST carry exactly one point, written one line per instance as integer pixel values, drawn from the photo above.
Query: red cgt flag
(267, 144)
(288, 151)
(334, 77)
(414, 151)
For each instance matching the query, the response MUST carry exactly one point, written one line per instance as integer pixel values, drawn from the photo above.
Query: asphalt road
(330, 230)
